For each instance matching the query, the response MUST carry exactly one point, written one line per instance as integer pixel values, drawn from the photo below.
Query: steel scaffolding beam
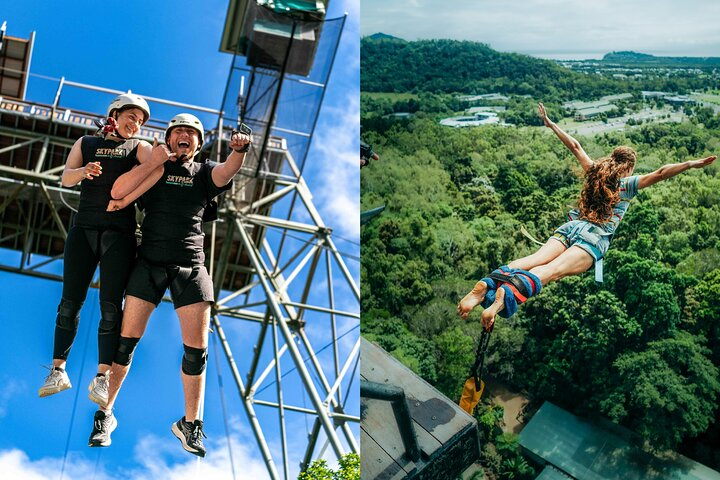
(271, 299)
(272, 258)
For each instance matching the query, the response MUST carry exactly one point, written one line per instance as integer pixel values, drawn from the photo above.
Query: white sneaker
(55, 382)
(98, 389)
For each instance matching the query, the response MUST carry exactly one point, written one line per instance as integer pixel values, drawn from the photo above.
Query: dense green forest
(437, 66)
(642, 348)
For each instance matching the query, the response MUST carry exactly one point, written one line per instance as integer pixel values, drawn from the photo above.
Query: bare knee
(132, 330)
(194, 323)
(135, 317)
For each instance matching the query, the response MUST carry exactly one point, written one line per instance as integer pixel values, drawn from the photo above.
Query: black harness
(512, 280)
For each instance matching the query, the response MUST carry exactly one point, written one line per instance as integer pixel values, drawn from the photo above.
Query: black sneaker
(103, 426)
(190, 435)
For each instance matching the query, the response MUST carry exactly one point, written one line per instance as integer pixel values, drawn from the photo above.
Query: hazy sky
(555, 26)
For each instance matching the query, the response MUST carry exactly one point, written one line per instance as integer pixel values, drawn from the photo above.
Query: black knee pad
(194, 360)
(126, 348)
(68, 314)
(110, 318)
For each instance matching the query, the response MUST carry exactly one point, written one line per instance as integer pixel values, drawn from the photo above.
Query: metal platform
(446, 435)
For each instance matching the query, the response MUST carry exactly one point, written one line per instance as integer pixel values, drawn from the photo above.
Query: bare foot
(488, 315)
(472, 299)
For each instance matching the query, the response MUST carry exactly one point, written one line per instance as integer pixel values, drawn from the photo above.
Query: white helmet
(187, 120)
(130, 100)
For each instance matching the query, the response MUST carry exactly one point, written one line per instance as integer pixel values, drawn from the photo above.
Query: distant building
(398, 115)
(485, 118)
(679, 99)
(488, 97)
(592, 112)
(589, 110)
(484, 109)
(652, 94)
(573, 447)
(619, 96)
(670, 98)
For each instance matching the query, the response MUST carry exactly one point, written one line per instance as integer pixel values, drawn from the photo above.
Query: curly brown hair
(601, 190)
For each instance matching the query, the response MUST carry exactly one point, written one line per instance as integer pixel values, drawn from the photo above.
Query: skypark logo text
(110, 152)
(179, 180)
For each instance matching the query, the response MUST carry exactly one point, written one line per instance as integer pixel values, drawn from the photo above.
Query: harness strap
(599, 270)
(477, 367)
(518, 296)
(515, 284)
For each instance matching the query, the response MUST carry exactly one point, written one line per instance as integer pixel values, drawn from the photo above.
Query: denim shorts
(588, 236)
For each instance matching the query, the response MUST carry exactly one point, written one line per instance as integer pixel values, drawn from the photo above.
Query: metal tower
(272, 258)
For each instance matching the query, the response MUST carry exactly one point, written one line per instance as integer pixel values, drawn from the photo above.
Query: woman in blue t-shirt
(581, 242)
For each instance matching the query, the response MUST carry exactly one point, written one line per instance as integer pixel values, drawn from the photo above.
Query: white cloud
(338, 188)
(157, 457)
(352, 7)
(335, 175)
(11, 387)
(16, 465)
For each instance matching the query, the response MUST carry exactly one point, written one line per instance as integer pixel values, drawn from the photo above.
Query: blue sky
(167, 50)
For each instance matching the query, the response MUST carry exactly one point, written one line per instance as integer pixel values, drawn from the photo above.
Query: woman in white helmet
(176, 196)
(99, 237)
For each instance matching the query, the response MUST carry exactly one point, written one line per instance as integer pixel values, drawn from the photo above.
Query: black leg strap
(108, 239)
(179, 277)
(93, 239)
(512, 280)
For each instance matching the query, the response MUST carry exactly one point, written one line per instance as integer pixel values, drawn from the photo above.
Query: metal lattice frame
(274, 285)
(35, 217)
(283, 317)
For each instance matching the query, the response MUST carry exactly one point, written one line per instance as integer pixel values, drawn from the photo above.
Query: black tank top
(116, 158)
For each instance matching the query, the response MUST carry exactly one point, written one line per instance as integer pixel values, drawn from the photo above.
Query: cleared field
(647, 115)
(707, 97)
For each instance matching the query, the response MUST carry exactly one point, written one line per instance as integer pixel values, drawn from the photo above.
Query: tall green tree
(665, 393)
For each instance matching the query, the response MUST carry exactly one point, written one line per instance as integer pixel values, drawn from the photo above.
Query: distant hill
(383, 36)
(628, 58)
(450, 66)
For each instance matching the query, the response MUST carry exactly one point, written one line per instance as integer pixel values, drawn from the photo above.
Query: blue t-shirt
(628, 190)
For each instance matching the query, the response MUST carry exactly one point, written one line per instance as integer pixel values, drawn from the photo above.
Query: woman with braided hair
(581, 242)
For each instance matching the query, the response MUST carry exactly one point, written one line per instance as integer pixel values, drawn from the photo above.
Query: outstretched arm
(145, 185)
(572, 144)
(150, 159)
(223, 173)
(670, 170)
